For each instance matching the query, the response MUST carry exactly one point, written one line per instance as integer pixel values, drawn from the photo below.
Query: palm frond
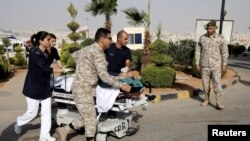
(99, 7)
(158, 31)
(135, 17)
(94, 8)
(109, 7)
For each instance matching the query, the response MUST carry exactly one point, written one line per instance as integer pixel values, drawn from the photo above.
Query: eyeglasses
(110, 38)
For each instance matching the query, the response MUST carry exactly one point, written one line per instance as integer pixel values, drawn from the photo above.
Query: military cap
(211, 23)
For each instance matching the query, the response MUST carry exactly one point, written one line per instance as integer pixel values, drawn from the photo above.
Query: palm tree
(137, 18)
(7, 43)
(103, 7)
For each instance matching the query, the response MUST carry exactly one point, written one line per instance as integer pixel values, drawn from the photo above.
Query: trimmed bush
(74, 36)
(73, 26)
(74, 47)
(65, 56)
(65, 47)
(18, 59)
(18, 49)
(159, 46)
(87, 42)
(161, 60)
(158, 76)
(71, 63)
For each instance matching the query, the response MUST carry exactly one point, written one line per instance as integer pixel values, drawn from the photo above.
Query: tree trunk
(146, 54)
(108, 22)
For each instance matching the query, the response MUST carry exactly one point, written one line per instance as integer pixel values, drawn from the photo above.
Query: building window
(138, 38)
(135, 38)
(130, 38)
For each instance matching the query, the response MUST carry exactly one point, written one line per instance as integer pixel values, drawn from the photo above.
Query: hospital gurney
(124, 121)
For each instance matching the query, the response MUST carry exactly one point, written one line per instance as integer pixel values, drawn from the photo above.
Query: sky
(177, 16)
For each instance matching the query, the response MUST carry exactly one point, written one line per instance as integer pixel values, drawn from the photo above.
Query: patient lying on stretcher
(106, 95)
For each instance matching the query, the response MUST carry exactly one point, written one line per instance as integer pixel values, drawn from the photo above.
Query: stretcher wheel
(144, 107)
(101, 137)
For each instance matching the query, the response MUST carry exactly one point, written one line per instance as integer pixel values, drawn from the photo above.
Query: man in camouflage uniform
(91, 65)
(211, 55)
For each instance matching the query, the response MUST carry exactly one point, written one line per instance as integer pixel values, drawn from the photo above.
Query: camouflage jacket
(211, 51)
(91, 65)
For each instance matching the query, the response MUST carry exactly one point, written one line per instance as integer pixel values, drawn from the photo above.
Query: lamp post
(222, 15)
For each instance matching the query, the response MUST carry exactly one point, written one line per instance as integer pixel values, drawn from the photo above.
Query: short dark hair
(119, 34)
(52, 35)
(35, 38)
(101, 32)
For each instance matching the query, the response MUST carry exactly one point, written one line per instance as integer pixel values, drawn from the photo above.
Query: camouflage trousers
(83, 97)
(213, 73)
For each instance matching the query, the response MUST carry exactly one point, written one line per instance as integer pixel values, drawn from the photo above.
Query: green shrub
(158, 76)
(159, 46)
(3, 68)
(65, 47)
(74, 36)
(230, 48)
(136, 57)
(87, 42)
(18, 49)
(19, 59)
(71, 63)
(182, 52)
(2, 49)
(73, 26)
(74, 47)
(238, 49)
(12, 60)
(65, 56)
(161, 60)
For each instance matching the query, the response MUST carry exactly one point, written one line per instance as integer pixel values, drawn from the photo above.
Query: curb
(192, 93)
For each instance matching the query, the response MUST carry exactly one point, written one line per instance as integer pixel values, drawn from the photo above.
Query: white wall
(135, 30)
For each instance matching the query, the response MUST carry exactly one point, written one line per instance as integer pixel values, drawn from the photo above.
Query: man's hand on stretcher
(126, 87)
(125, 73)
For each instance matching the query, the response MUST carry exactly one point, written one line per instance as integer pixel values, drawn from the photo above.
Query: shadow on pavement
(8, 134)
(246, 83)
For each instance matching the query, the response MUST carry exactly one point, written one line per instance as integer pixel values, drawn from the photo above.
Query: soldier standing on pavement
(91, 65)
(211, 56)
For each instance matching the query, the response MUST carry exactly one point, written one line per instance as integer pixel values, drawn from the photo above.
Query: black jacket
(37, 81)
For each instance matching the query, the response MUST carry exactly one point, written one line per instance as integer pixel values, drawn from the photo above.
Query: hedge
(158, 76)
